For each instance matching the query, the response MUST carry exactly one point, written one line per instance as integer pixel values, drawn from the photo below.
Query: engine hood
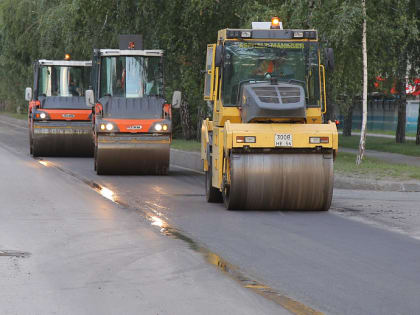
(149, 107)
(265, 101)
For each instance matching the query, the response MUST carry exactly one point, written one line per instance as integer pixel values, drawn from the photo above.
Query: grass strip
(381, 144)
(186, 145)
(345, 164)
(15, 115)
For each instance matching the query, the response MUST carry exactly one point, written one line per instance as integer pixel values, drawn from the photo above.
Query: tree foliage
(35, 29)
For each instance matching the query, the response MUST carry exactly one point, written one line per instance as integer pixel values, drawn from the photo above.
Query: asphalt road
(64, 249)
(325, 261)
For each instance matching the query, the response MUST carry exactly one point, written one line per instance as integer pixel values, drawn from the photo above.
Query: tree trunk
(185, 120)
(418, 128)
(402, 117)
(348, 120)
(364, 117)
(402, 101)
(201, 115)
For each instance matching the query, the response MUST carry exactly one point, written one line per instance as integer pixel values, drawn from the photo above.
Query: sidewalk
(378, 135)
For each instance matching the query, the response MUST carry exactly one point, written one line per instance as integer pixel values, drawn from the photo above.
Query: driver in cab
(265, 66)
(275, 67)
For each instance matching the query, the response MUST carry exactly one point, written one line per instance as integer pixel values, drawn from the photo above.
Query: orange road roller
(58, 120)
(131, 119)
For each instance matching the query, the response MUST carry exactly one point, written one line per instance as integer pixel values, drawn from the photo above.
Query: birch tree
(365, 85)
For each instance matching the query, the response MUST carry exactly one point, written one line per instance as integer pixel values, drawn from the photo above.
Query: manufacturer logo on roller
(135, 127)
(68, 116)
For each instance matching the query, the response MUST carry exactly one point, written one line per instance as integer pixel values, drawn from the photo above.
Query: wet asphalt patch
(13, 253)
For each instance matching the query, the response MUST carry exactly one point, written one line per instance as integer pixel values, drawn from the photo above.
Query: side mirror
(28, 94)
(176, 99)
(329, 56)
(218, 57)
(90, 98)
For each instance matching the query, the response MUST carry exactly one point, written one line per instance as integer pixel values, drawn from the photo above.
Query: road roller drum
(62, 139)
(132, 155)
(283, 181)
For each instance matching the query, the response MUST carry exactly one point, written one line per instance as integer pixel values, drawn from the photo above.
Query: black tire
(213, 195)
(227, 201)
(34, 150)
(94, 158)
(98, 170)
(31, 145)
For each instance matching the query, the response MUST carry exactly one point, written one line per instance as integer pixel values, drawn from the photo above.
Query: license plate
(283, 140)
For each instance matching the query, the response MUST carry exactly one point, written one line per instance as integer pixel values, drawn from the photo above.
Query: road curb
(187, 159)
(192, 161)
(345, 182)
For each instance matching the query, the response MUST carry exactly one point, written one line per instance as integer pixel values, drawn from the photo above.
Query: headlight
(158, 127)
(42, 115)
(316, 140)
(165, 127)
(109, 126)
(246, 139)
(102, 126)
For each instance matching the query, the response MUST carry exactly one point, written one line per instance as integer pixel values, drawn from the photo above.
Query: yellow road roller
(268, 145)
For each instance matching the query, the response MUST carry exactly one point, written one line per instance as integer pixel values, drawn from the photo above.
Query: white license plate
(283, 140)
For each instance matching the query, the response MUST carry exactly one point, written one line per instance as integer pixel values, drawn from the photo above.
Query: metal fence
(383, 114)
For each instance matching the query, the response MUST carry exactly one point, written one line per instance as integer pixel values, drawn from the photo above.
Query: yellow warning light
(275, 22)
(67, 57)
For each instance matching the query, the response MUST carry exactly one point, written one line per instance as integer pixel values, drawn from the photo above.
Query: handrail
(325, 93)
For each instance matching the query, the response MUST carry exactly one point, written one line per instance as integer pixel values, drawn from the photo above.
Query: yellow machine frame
(221, 132)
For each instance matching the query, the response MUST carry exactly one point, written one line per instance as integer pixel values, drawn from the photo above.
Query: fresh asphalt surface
(328, 262)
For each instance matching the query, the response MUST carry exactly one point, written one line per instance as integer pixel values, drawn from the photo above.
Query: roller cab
(58, 120)
(132, 121)
(267, 145)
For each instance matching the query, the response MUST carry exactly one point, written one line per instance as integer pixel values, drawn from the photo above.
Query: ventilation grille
(267, 94)
(289, 94)
(270, 94)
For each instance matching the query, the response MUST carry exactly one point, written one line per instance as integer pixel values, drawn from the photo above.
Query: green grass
(380, 144)
(186, 145)
(15, 115)
(370, 167)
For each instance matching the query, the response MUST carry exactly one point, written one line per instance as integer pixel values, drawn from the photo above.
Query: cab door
(209, 73)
